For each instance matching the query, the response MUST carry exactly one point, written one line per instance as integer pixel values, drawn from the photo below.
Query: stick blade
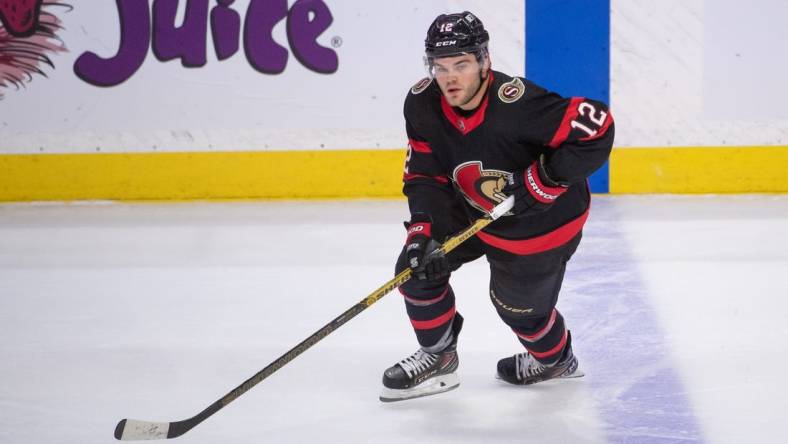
(133, 430)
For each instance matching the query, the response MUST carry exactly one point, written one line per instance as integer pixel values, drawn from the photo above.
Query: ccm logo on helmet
(446, 43)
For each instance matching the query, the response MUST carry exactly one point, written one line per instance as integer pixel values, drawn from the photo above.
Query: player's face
(458, 78)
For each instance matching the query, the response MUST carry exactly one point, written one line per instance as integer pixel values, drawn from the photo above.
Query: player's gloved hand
(421, 250)
(533, 189)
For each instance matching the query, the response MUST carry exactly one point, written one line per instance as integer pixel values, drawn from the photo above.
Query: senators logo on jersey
(421, 85)
(483, 189)
(510, 92)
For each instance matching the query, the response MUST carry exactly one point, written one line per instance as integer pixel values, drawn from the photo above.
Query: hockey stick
(132, 429)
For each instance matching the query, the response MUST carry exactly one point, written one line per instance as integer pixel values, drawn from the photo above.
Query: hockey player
(477, 136)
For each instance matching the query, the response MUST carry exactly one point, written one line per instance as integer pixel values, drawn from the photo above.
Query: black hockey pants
(523, 289)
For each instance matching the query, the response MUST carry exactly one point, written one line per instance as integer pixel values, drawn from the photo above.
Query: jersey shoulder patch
(511, 91)
(421, 85)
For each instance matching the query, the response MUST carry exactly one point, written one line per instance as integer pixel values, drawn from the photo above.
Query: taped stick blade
(133, 430)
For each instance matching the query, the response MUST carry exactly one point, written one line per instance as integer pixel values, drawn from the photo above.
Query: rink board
(350, 174)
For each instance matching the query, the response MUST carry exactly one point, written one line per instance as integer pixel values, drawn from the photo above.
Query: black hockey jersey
(454, 153)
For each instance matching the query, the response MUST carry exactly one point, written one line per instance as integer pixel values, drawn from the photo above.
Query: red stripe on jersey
(434, 323)
(566, 123)
(553, 350)
(541, 333)
(553, 239)
(419, 147)
(541, 192)
(441, 179)
(467, 124)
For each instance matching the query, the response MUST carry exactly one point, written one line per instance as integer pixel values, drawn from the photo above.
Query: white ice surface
(154, 311)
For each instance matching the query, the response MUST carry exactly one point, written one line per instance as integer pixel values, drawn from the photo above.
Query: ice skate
(524, 369)
(423, 373)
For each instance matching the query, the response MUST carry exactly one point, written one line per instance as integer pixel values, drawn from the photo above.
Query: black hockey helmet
(456, 34)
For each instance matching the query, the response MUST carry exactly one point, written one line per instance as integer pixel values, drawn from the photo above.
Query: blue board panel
(567, 50)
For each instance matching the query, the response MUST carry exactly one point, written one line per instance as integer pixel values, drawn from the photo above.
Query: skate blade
(432, 386)
(577, 374)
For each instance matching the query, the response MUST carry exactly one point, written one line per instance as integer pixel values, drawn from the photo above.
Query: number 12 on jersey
(588, 110)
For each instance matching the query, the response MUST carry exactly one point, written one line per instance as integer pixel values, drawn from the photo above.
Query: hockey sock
(431, 312)
(544, 338)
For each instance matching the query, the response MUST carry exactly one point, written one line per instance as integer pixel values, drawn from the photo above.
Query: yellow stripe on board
(202, 175)
(753, 169)
(351, 174)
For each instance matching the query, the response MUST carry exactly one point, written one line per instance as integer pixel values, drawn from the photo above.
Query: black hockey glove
(421, 250)
(533, 189)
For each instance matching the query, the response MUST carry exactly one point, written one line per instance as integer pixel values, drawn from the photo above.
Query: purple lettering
(134, 41)
(141, 29)
(302, 35)
(187, 41)
(226, 29)
(263, 53)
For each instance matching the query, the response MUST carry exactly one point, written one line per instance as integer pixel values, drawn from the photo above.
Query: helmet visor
(456, 65)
